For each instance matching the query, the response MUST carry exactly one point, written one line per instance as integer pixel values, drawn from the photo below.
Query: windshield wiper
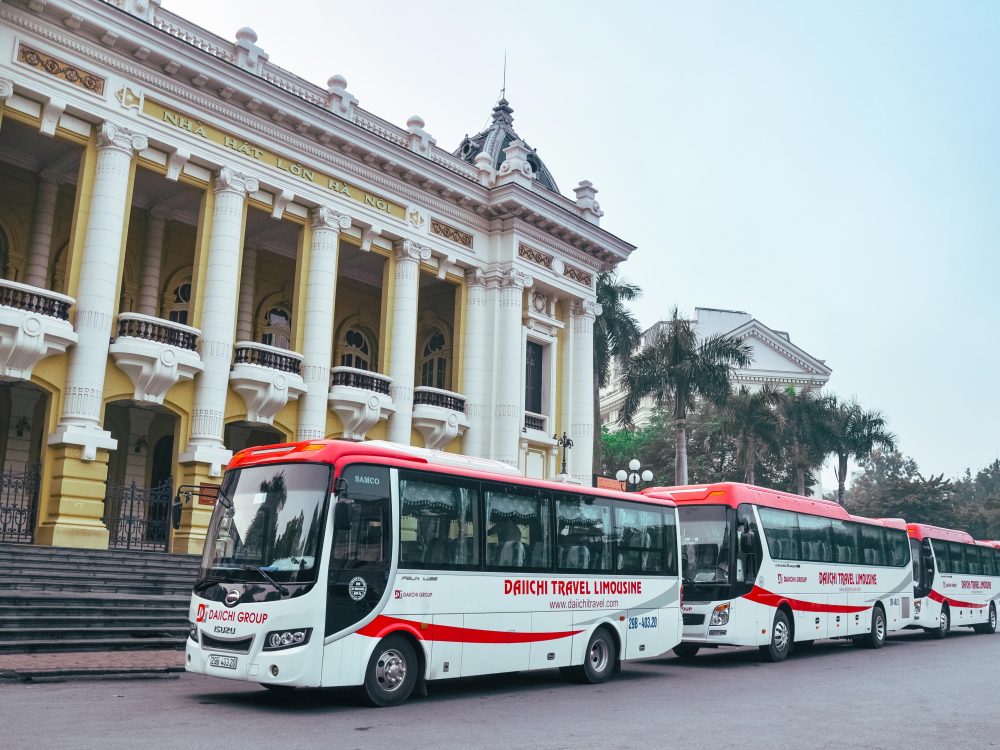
(281, 589)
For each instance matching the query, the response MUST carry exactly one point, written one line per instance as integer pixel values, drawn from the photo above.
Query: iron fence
(138, 517)
(19, 504)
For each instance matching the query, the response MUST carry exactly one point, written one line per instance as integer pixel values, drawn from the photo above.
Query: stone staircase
(56, 599)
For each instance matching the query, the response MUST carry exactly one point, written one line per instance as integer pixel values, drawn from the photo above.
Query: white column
(317, 345)
(97, 293)
(476, 353)
(248, 280)
(508, 408)
(403, 339)
(43, 220)
(218, 321)
(581, 421)
(148, 302)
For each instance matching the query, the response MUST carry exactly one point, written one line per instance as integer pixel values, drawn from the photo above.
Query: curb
(62, 675)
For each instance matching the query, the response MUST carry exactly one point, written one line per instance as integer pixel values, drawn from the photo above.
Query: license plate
(226, 662)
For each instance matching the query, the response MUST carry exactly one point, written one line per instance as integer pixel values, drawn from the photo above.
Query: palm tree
(752, 421)
(676, 369)
(616, 336)
(807, 431)
(856, 433)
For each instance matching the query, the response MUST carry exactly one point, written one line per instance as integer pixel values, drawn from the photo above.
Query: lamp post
(631, 479)
(565, 443)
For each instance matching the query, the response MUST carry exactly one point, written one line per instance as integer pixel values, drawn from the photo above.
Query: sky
(831, 168)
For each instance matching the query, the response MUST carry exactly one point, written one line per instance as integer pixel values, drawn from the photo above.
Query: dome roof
(497, 137)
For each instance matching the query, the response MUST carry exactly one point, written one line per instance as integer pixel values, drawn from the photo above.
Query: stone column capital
(114, 136)
(327, 218)
(410, 250)
(587, 308)
(515, 278)
(475, 277)
(6, 88)
(231, 181)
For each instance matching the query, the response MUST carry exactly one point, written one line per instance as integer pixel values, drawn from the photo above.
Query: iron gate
(138, 517)
(19, 505)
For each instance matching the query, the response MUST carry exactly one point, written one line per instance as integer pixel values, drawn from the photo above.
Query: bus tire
(392, 672)
(990, 626)
(944, 624)
(599, 660)
(686, 650)
(780, 645)
(876, 638)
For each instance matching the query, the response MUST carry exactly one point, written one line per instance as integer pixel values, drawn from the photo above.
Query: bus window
(670, 541)
(816, 539)
(972, 560)
(942, 556)
(748, 559)
(583, 533)
(956, 553)
(872, 548)
(845, 542)
(987, 560)
(782, 531)
(439, 522)
(639, 532)
(705, 548)
(518, 533)
(897, 547)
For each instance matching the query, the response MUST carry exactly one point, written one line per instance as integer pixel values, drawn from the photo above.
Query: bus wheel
(392, 672)
(990, 626)
(781, 639)
(599, 661)
(876, 637)
(686, 650)
(944, 624)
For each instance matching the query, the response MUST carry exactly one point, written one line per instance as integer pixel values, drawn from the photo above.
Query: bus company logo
(397, 594)
(200, 617)
(791, 579)
(366, 480)
(357, 588)
(977, 585)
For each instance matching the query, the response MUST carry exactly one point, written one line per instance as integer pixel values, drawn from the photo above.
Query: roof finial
(503, 91)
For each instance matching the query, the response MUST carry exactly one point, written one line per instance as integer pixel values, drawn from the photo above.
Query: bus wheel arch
(394, 668)
(600, 659)
(990, 626)
(780, 644)
(879, 627)
(944, 623)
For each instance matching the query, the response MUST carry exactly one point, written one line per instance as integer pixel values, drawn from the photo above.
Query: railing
(19, 504)
(33, 299)
(250, 353)
(138, 517)
(148, 328)
(437, 397)
(534, 421)
(353, 378)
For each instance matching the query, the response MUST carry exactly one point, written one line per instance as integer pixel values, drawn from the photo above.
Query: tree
(616, 336)
(891, 485)
(806, 432)
(752, 421)
(855, 433)
(676, 368)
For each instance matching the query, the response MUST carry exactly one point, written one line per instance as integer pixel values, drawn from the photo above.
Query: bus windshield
(705, 548)
(267, 524)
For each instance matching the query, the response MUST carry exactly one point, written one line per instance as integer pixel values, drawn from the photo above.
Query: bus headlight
(720, 615)
(279, 639)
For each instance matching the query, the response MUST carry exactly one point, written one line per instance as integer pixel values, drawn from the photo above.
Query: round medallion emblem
(357, 588)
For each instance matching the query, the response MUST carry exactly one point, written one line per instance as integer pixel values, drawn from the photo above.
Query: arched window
(277, 328)
(355, 351)
(177, 306)
(434, 360)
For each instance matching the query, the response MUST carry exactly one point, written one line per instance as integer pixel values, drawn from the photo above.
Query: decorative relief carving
(115, 136)
(127, 97)
(327, 218)
(229, 180)
(534, 256)
(450, 233)
(410, 250)
(578, 275)
(53, 66)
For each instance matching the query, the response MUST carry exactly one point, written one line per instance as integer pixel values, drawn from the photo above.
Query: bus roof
(926, 531)
(339, 452)
(733, 494)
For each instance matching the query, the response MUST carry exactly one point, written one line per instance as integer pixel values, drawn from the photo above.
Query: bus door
(749, 553)
(361, 553)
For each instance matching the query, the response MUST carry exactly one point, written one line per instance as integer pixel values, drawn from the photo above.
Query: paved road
(914, 693)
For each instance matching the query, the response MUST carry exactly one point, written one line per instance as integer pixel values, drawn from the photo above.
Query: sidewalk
(89, 664)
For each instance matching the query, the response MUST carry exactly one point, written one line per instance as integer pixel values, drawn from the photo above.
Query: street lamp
(565, 443)
(630, 479)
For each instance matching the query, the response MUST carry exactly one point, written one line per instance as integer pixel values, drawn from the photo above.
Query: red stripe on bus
(763, 596)
(383, 625)
(941, 598)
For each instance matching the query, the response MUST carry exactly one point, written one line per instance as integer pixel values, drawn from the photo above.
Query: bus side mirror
(175, 512)
(746, 541)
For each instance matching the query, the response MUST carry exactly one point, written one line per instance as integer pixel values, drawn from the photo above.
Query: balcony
(267, 378)
(155, 354)
(360, 399)
(34, 324)
(535, 423)
(439, 416)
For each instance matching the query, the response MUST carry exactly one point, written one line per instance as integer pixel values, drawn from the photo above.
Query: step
(103, 644)
(113, 571)
(123, 633)
(72, 599)
(95, 586)
(30, 550)
(133, 563)
(136, 618)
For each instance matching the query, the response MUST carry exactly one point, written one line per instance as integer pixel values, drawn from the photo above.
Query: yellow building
(201, 252)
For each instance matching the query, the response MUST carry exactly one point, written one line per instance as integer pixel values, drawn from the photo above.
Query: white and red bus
(771, 569)
(956, 580)
(334, 563)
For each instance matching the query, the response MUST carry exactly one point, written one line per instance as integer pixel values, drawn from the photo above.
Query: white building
(776, 361)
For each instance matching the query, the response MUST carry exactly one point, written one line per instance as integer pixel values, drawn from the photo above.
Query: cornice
(757, 333)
